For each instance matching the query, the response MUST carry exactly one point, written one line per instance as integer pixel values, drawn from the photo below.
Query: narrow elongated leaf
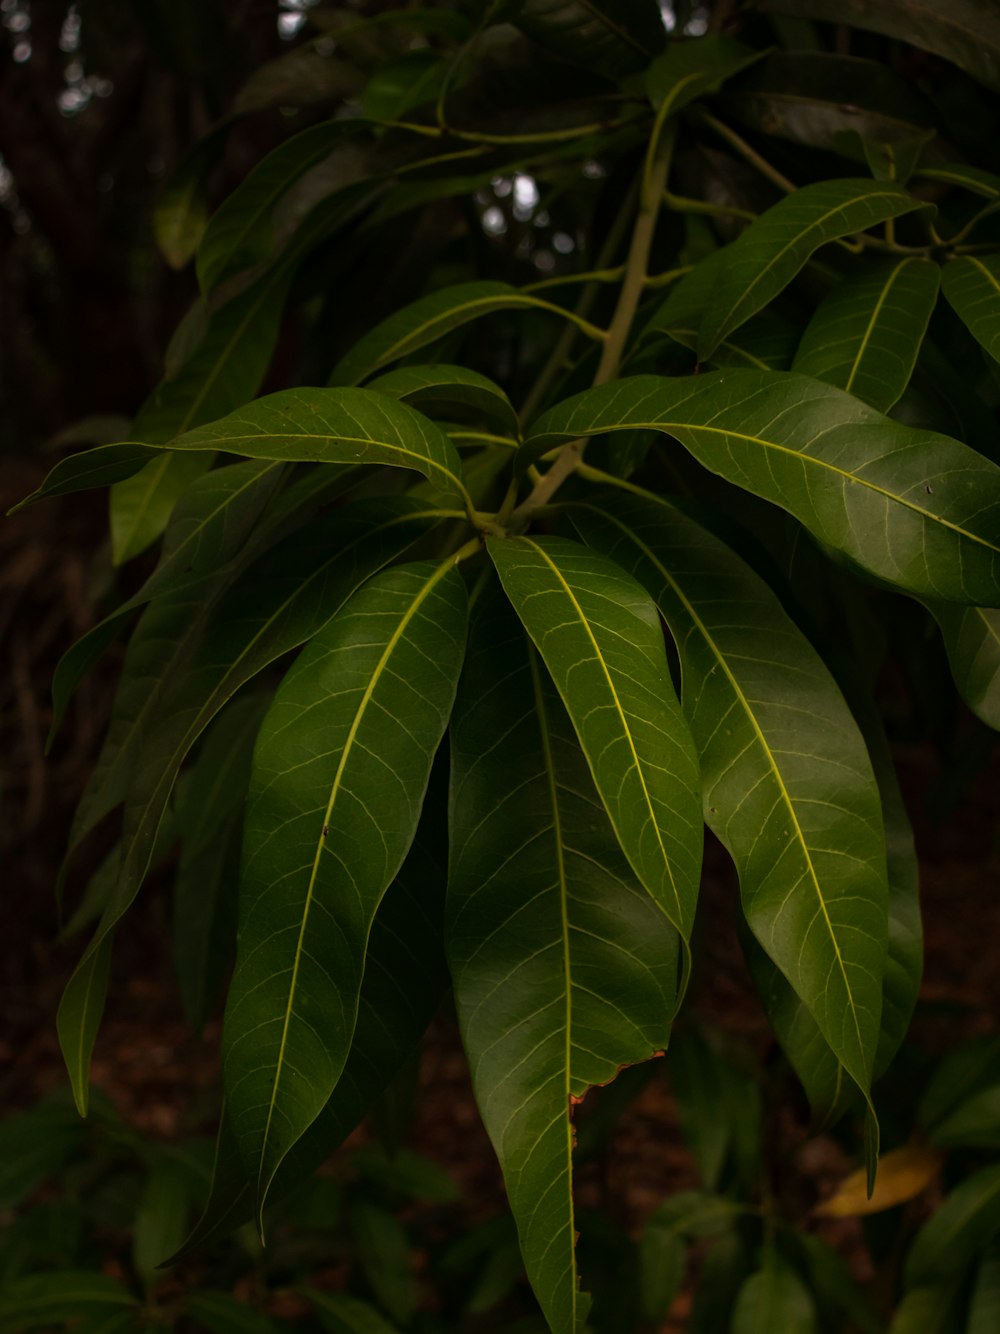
(269, 612)
(430, 318)
(972, 640)
(79, 1016)
(90, 469)
(959, 1231)
(966, 32)
(971, 284)
(788, 786)
(973, 179)
(765, 259)
(774, 1298)
(547, 932)
(600, 637)
(404, 981)
(613, 36)
(53, 1298)
(917, 509)
(333, 426)
(241, 230)
(451, 391)
(865, 336)
(335, 795)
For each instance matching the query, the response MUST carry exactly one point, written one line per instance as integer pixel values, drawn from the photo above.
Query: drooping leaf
(405, 978)
(615, 37)
(788, 786)
(272, 610)
(774, 1298)
(52, 1298)
(972, 640)
(966, 32)
(333, 426)
(919, 510)
(430, 318)
(865, 336)
(971, 283)
(340, 771)
(241, 231)
(547, 932)
(765, 259)
(600, 637)
(451, 391)
(958, 1232)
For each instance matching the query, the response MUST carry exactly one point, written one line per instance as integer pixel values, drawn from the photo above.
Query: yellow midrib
(873, 319)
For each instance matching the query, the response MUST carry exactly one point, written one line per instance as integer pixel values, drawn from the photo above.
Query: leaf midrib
(392, 644)
(762, 740)
(624, 724)
(872, 321)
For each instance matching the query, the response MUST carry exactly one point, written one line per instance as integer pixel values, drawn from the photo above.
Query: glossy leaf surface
(765, 259)
(917, 509)
(865, 336)
(600, 638)
(971, 284)
(339, 774)
(547, 932)
(788, 786)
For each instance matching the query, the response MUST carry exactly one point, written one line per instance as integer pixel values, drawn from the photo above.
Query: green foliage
(744, 497)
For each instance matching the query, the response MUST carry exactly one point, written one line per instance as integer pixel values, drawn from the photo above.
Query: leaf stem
(681, 204)
(746, 152)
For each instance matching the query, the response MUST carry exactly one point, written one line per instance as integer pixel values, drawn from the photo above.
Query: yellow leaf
(902, 1175)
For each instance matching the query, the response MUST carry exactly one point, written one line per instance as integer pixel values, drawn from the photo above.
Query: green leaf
(35, 1145)
(865, 336)
(161, 1217)
(964, 1072)
(973, 179)
(45, 1299)
(600, 637)
(788, 786)
(431, 317)
(774, 1298)
(548, 932)
(337, 785)
(450, 391)
(221, 1313)
(975, 1124)
(687, 69)
(833, 1284)
(404, 980)
(662, 1256)
(926, 1310)
(181, 211)
(241, 231)
(409, 81)
(340, 1314)
(333, 426)
(91, 468)
(167, 699)
(615, 37)
(384, 1252)
(971, 283)
(304, 77)
(958, 1232)
(966, 32)
(919, 510)
(984, 1305)
(972, 641)
(79, 1016)
(765, 259)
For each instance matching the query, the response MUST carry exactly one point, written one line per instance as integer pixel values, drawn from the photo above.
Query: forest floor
(164, 1079)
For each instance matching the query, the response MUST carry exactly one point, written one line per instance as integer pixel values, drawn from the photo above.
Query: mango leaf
(966, 32)
(971, 284)
(89, 469)
(834, 102)
(241, 231)
(430, 318)
(903, 1174)
(50, 1298)
(788, 786)
(774, 1298)
(162, 1215)
(600, 637)
(336, 790)
(451, 391)
(865, 336)
(972, 641)
(142, 505)
(333, 426)
(919, 510)
(546, 932)
(687, 69)
(405, 978)
(168, 698)
(222, 1313)
(615, 37)
(926, 1310)
(765, 259)
(958, 1232)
